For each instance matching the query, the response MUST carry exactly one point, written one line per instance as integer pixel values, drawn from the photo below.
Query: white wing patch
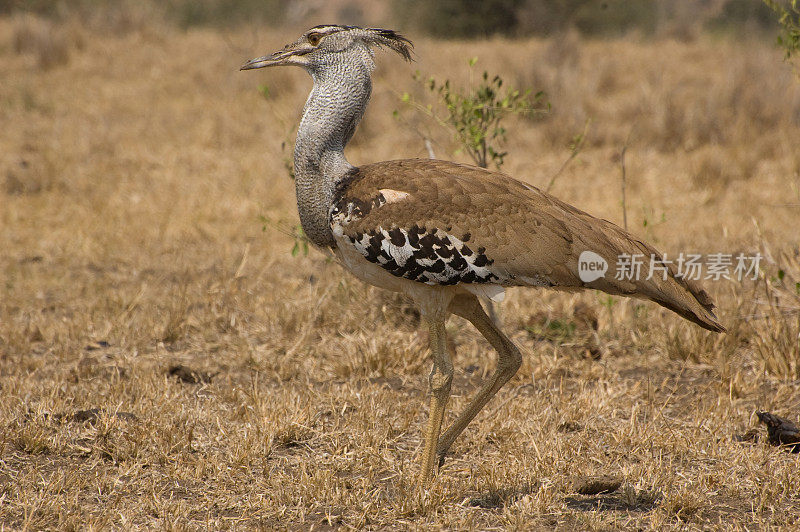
(432, 257)
(343, 213)
(393, 196)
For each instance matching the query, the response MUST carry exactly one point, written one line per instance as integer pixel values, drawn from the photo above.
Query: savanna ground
(134, 167)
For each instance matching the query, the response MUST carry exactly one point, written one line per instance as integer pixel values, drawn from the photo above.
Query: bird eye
(314, 38)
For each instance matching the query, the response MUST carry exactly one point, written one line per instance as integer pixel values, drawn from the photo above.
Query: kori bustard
(444, 234)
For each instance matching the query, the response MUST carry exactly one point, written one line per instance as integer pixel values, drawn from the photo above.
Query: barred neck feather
(342, 88)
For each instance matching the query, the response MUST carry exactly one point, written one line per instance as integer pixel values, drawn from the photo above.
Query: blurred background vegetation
(444, 18)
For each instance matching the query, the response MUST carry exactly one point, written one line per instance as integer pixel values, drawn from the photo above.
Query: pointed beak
(281, 57)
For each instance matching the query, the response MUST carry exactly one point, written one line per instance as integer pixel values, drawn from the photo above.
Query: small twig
(624, 182)
(624, 204)
(242, 262)
(283, 227)
(576, 149)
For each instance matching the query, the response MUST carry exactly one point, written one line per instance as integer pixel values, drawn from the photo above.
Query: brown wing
(518, 233)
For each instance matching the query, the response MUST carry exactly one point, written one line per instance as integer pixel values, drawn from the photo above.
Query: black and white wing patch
(427, 256)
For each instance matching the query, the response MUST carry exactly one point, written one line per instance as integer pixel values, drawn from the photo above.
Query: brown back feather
(526, 232)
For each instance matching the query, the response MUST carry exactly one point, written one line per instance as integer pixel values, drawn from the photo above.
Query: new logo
(591, 266)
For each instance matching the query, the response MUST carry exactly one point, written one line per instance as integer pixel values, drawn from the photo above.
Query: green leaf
(475, 114)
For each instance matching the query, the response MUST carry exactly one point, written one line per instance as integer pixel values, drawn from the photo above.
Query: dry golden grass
(132, 174)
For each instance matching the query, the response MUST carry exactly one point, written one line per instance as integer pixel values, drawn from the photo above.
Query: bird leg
(509, 361)
(439, 381)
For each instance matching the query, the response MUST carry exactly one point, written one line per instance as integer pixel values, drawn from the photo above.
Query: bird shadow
(498, 498)
(612, 502)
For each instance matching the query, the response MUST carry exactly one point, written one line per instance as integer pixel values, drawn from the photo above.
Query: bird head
(330, 45)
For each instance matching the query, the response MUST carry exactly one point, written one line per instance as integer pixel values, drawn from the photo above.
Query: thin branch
(624, 181)
(576, 149)
(624, 203)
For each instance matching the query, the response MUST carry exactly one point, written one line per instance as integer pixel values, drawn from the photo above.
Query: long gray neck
(333, 109)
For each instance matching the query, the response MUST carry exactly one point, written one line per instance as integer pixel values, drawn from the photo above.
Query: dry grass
(132, 176)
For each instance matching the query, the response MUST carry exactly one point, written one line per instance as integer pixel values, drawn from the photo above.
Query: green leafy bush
(788, 12)
(476, 115)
